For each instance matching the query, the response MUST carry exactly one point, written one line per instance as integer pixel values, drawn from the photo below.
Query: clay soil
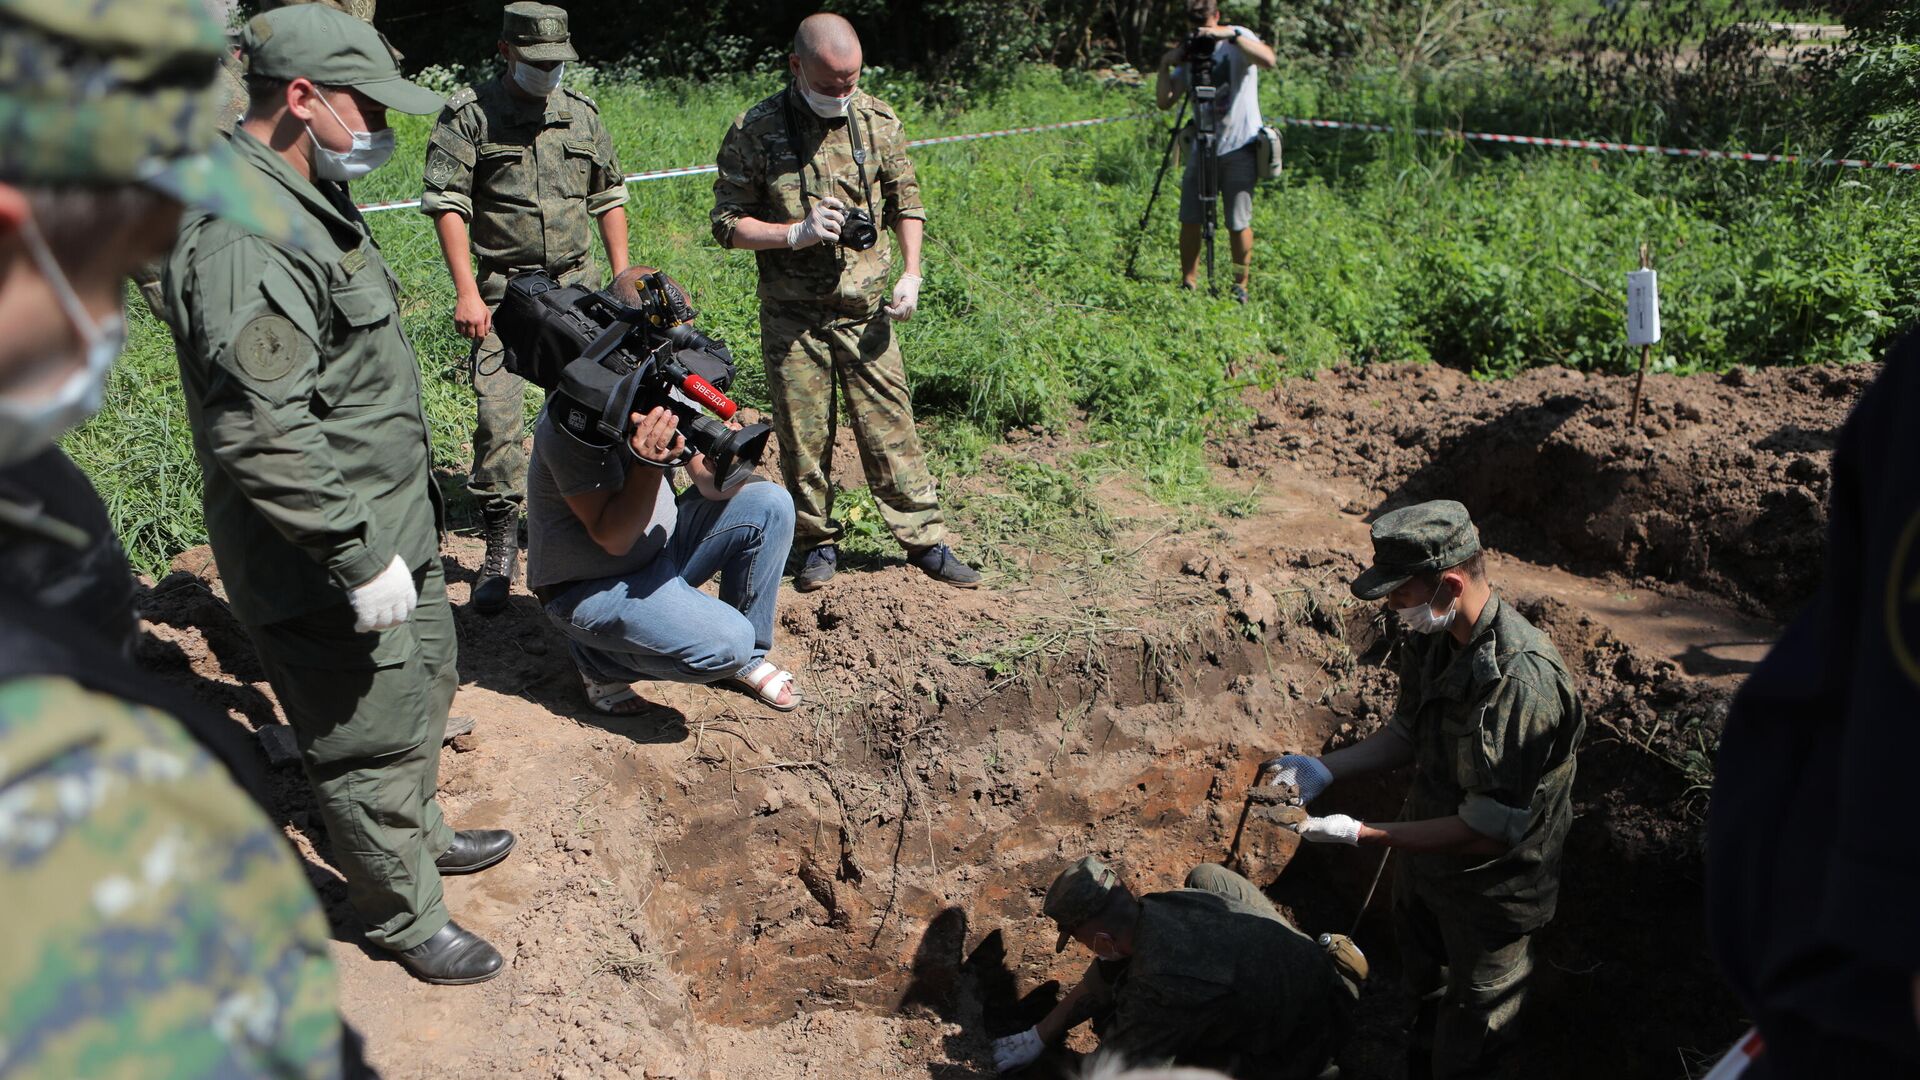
(713, 889)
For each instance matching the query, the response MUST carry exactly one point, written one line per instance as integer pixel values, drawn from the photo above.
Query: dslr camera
(601, 360)
(857, 233)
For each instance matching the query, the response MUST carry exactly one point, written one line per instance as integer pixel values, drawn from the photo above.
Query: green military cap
(123, 92)
(1420, 539)
(1081, 892)
(538, 31)
(330, 47)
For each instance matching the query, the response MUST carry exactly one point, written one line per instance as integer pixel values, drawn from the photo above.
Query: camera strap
(800, 164)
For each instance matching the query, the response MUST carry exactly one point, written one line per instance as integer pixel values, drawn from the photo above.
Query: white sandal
(609, 696)
(766, 681)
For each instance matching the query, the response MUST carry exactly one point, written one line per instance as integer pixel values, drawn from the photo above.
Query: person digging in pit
(1209, 976)
(617, 560)
(1488, 717)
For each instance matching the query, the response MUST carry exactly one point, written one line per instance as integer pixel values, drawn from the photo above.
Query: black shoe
(1240, 294)
(497, 570)
(817, 568)
(941, 564)
(452, 957)
(474, 850)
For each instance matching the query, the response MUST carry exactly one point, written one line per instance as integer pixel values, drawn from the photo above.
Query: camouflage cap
(102, 92)
(1081, 892)
(537, 31)
(332, 48)
(1424, 538)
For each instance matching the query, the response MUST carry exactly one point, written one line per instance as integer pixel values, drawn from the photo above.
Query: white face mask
(371, 149)
(29, 427)
(536, 82)
(823, 106)
(1421, 620)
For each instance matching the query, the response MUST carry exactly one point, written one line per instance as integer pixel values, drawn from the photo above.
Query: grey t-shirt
(559, 548)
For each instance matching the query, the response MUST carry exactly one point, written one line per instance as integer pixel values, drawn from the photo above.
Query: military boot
(497, 571)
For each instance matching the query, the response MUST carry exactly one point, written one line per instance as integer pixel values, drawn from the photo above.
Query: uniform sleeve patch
(440, 167)
(268, 347)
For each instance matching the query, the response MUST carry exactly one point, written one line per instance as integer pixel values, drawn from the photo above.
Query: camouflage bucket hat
(1081, 892)
(332, 48)
(105, 92)
(1420, 539)
(538, 31)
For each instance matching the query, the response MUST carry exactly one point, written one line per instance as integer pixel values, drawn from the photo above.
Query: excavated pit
(712, 890)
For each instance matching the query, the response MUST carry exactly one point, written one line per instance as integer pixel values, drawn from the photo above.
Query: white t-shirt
(1236, 105)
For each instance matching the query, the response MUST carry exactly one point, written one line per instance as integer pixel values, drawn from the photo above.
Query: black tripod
(1206, 151)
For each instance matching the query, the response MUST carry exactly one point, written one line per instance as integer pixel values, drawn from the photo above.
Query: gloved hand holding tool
(1303, 772)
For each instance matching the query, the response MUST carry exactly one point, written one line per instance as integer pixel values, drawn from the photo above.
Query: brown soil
(713, 889)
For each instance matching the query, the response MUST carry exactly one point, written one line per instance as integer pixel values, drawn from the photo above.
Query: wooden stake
(1646, 351)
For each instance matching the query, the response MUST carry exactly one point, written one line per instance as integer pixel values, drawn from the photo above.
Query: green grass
(1371, 248)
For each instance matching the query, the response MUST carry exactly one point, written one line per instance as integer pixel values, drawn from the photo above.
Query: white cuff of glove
(1303, 772)
(386, 601)
(1016, 1051)
(1332, 829)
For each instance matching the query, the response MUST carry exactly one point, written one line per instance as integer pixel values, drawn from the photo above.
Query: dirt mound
(1721, 486)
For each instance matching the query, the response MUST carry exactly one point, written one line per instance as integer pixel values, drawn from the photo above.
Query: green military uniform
(531, 178)
(157, 923)
(820, 317)
(304, 396)
(1493, 726)
(1217, 979)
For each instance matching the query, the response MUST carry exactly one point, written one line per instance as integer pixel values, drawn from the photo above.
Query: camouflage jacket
(1214, 983)
(763, 175)
(1494, 726)
(531, 176)
(157, 922)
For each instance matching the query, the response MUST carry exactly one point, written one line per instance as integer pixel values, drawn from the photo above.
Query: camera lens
(858, 233)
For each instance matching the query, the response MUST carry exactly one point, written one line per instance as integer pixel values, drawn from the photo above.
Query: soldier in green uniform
(1488, 717)
(304, 396)
(157, 922)
(792, 171)
(527, 169)
(1209, 976)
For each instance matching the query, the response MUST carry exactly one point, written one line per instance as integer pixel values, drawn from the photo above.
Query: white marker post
(1643, 321)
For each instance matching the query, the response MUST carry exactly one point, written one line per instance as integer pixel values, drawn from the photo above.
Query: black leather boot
(497, 571)
(452, 957)
(474, 850)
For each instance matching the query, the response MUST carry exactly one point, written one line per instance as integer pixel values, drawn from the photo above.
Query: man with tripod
(1216, 66)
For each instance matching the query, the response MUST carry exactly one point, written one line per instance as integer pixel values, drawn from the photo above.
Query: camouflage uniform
(1217, 979)
(157, 922)
(1493, 725)
(304, 395)
(531, 178)
(820, 317)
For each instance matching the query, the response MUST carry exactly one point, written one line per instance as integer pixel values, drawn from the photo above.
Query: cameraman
(618, 561)
(1235, 112)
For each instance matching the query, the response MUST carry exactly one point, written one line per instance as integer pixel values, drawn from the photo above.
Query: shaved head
(828, 38)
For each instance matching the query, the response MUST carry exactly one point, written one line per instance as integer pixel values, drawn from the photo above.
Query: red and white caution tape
(1611, 147)
(1339, 125)
(1738, 1058)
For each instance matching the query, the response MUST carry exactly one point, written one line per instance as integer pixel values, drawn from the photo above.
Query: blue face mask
(29, 427)
(1421, 620)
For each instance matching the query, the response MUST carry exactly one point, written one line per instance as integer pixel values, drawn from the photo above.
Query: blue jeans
(655, 623)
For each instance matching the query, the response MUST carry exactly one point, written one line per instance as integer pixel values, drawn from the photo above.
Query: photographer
(617, 560)
(1234, 116)
(811, 179)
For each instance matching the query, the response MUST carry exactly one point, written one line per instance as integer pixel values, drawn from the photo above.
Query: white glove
(1015, 1051)
(823, 224)
(1332, 829)
(1303, 772)
(906, 298)
(386, 601)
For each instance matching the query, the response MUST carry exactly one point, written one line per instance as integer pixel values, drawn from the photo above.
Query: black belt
(546, 593)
